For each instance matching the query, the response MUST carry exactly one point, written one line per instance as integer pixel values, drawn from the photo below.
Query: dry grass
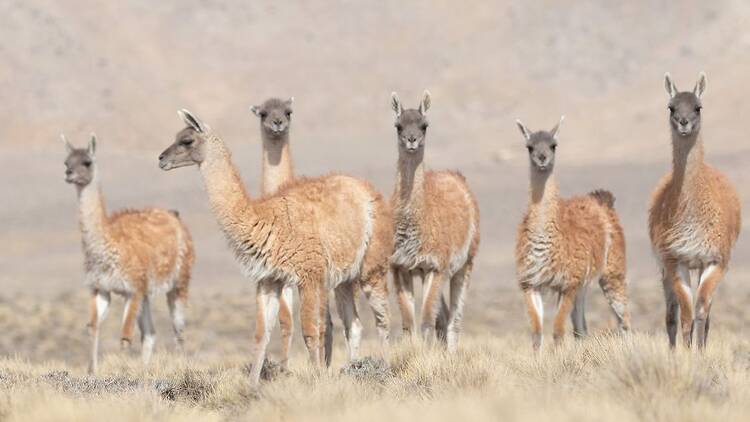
(601, 378)
(494, 376)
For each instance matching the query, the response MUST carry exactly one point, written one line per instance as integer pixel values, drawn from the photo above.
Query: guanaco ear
(92, 145)
(556, 130)
(396, 104)
(191, 120)
(669, 85)
(425, 104)
(255, 110)
(524, 130)
(700, 86)
(289, 102)
(68, 146)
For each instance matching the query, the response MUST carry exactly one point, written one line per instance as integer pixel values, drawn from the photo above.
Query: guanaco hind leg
(405, 291)
(347, 308)
(613, 287)
(578, 315)
(458, 287)
(129, 318)
(148, 332)
(376, 293)
(286, 322)
(177, 303)
(565, 306)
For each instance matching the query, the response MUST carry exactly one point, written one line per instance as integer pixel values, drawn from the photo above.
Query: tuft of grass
(368, 370)
(270, 371)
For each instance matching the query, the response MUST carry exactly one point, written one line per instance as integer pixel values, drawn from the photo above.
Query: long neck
(227, 196)
(277, 162)
(410, 180)
(687, 158)
(543, 199)
(92, 215)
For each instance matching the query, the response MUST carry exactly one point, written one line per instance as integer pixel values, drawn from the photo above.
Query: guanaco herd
(337, 234)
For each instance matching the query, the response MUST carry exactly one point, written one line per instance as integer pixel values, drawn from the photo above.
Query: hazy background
(122, 69)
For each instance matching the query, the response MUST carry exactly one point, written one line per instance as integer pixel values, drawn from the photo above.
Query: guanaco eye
(554, 147)
(288, 113)
(698, 109)
(424, 127)
(263, 114)
(87, 163)
(671, 109)
(399, 127)
(186, 141)
(529, 148)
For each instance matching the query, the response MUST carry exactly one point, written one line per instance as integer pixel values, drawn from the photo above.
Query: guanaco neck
(543, 200)
(277, 162)
(410, 181)
(92, 215)
(687, 161)
(227, 196)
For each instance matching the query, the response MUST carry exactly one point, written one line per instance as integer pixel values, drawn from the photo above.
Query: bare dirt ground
(123, 69)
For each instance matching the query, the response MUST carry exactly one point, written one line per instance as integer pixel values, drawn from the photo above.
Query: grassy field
(494, 376)
(601, 378)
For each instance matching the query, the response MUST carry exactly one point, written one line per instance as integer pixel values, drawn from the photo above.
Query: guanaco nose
(683, 121)
(277, 122)
(161, 156)
(68, 172)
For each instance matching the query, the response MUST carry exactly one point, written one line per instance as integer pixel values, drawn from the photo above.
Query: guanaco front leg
(431, 296)
(93, 313)
(535, 309)
(267, 308)
(684, 295)
(100, 306)
(670, 297)
(709, 278)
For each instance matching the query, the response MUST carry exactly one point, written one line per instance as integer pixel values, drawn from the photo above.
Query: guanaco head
(685, 107)
(189, 146)
(541, 146)
(80, 162)
(411, 124)
(275, 116)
